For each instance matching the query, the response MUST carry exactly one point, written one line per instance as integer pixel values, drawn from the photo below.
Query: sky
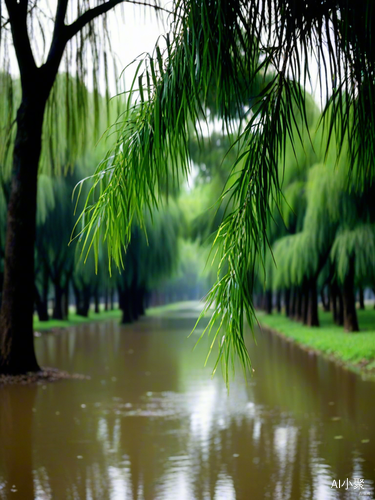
(135, 33)
(134, 30)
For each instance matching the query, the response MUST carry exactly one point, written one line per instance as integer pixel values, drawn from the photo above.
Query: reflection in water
(152, 424)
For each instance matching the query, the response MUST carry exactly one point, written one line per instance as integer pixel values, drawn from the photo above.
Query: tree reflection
(16, 418)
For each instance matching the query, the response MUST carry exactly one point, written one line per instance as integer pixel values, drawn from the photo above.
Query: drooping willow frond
(248, 61)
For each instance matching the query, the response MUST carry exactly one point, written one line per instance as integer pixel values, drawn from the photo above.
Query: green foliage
(358, 242)
(75, 319)
(230, 47)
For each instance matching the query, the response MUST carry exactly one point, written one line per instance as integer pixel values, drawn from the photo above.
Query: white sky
(134, 29)
(134, 33)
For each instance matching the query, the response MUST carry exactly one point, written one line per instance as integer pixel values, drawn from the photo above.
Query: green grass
(353, 349)
(74, 319)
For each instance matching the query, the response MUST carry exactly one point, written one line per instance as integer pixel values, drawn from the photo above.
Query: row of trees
(219, 46)
(321, 234)
(61, 271)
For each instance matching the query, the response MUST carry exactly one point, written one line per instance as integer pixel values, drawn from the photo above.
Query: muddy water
(152, 424)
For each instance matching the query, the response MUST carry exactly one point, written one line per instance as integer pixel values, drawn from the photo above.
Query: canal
(151, 423)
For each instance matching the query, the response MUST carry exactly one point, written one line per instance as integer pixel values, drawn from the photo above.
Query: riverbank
(74, 319)
(354, 350)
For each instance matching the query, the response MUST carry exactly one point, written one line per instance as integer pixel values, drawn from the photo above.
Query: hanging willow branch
(246, 60)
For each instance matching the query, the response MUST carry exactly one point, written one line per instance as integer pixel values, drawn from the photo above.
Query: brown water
(152, 424)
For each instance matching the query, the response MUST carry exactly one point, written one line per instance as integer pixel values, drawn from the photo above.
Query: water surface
(152, 424)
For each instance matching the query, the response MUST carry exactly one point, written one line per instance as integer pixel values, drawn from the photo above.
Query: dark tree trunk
(293, 301)
(268, 301)
(112, 299)
(361, 298)
(125, 299)
(278, 301)
(86, 301)
(82, 297)
(106, 301)
(96, 301)
(17, 353)
(333, 302)
(298, 312)
(340, 309)
(78, 299)
(66, 300)
(287, 302)
(41, 306)
(350, 313)
(304, 302)
(312, 309)
(59, 308)
(337, 304)
(328, 298)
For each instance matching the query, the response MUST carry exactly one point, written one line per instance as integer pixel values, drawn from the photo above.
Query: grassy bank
(74, 319)
(356, 350)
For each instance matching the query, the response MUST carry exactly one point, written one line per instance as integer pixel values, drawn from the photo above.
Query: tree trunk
(66, 299)
(361, 299)
(312, 309)
(350, 313)
(298, 312)
(340, 309)
(333, 302)
(86, 301)
(96, 301)
(287, 302)
(268, 302)
(58, 309)
(293, 301)
(78, 299)
(126, 306)
(17, 353)
(278, 301)
(41, 307)
(304, 302)
(337, 304)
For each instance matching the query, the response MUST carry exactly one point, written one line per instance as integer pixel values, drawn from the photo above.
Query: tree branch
(59, 37)
(17, 18)
(91, 14)
(63, 33)
(62, 6)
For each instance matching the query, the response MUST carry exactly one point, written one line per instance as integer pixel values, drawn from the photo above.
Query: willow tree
(78, 34)
(224, 46)
(151, 257)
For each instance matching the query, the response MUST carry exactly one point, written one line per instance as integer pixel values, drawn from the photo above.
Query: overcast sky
(134, 30)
